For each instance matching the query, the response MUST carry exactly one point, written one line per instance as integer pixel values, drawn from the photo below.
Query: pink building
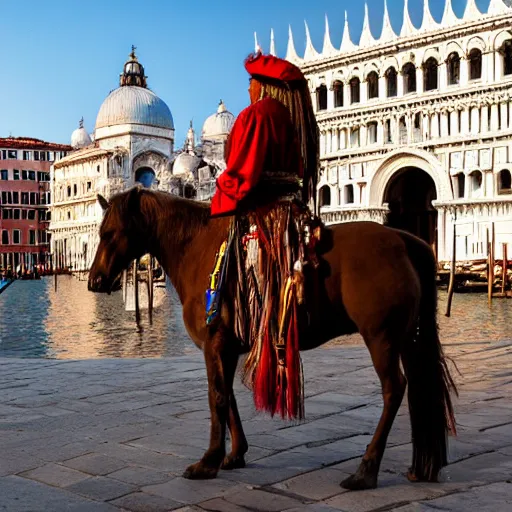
(24, 200)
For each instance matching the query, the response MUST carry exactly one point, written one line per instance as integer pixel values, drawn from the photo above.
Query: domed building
(132, 142)
(195, 168)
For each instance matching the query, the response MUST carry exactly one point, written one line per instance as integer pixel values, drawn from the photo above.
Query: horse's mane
(187, 215)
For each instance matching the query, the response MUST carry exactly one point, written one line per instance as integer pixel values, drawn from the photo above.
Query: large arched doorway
(409, 194)
(146, 176)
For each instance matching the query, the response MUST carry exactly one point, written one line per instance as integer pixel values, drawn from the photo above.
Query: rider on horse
(270, 176)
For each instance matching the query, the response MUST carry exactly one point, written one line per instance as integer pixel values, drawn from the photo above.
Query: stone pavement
(106, 435)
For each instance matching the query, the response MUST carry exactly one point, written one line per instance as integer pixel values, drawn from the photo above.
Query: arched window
(475, 181)
(373, 85)
(402, 131)
(349, 194)
(354, 137)
(475, 64)
(506, 52)
(430, 74)
(453, 67)
(409, 74)
(372, 132)
(391, 86)
(354, 90)
(324, 196)
(338, 93)
(460, 181)
(321, 97)
(504, 182)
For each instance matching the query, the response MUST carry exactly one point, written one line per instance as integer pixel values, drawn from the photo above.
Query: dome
(218, 125)
(80, 138)
(185, 164)
(134, 105)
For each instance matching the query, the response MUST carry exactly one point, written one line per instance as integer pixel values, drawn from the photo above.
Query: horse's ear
(103, 202)
(134, 199)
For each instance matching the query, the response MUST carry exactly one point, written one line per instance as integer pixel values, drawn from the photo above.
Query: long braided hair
(296, 97)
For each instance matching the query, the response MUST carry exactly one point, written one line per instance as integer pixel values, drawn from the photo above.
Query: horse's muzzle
(98, 284)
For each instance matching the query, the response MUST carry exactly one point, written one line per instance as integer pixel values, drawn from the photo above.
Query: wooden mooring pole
(451, 284)
(490, 265)
(150, 290)
(136, 292)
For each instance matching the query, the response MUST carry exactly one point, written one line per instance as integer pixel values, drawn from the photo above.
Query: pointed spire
(272, 43)
(449, 18)
(328, 49)
(471, 12)
(310, 52)
(346, 41)
(291, 54)
(81, 122)
(366, 38)
(498, 7)
(387, 33)
(257, 47)
(428, 22)
(407, 27)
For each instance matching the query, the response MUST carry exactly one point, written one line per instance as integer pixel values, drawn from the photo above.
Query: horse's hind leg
(239, 446)
(385, 357)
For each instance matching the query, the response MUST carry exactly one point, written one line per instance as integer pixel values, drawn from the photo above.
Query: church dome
(134, 105)
(133, 102)
(80, 138)
(218, 125)
(185, 164)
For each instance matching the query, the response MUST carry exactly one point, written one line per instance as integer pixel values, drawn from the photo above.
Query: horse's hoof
(412, 477)
(233, 462)
(200, 471)
(359, 483)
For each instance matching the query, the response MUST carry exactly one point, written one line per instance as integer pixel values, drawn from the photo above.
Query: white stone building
(416, 127)
(133, 142)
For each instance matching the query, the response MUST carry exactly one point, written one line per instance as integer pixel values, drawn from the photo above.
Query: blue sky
(62, 57)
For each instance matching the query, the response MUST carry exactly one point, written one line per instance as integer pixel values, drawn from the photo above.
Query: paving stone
(487, 498)
(316, 485)
(142, 502)
(139, 476)
(191, 491)
(95, 464)
(221, 505)
(101, 488)
(56, 475)
(256, 499)
(19, 494)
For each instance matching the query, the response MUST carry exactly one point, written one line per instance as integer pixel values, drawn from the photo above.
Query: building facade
(416, 127)
(133, 142)
(24, 201)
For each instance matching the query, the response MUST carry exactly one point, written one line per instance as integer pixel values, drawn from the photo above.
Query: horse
(377, 281)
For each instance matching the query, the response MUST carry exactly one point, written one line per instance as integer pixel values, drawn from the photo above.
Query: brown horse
(376, 280)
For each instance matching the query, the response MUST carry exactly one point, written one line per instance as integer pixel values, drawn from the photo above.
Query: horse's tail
(429, 380)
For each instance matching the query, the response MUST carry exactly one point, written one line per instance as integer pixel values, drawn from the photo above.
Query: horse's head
(122, 239)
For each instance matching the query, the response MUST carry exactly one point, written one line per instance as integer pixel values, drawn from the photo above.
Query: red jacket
(263, 138)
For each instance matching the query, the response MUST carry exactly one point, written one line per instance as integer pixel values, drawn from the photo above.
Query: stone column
(335, 140)
(363, 134)
(441, 234)
(510, 114)
(425, 127)
(434, 126)
(454, 122)
(313, 100)
(399, 84)
(498, 66)
(330, 98)
(475, 120)
(463, 72)
(363, 91)
(322, 143)
(495, 125)
(346, 94)
(444, 124)
(464, 128)
(442, 77)
(382, 87)
(380, 132)
(328, 141)
(419, 79)
(484, 117)
(503, 116)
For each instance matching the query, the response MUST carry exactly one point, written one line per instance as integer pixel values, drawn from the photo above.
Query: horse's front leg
(221, 356)
(235, 459)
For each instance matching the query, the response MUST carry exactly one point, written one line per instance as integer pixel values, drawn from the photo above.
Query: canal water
(73, 323)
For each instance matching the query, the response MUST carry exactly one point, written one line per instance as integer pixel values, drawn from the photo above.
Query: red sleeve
(248, 142)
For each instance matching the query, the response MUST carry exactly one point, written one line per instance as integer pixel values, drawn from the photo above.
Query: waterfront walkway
(116, 434)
